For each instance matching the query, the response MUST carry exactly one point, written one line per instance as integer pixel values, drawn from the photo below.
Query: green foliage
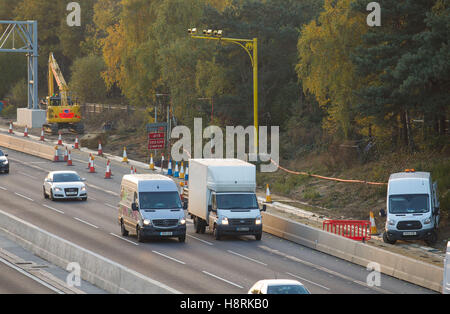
(86, 82)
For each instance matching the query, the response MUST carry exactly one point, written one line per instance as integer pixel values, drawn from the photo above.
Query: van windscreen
(159, 200)
(408, 204)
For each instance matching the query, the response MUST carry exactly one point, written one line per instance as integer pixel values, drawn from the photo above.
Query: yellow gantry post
(248, 45)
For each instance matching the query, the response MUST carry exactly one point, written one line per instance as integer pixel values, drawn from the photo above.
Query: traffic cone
(66, 155)
(268, 197)
(59, 138)
(125, 158)
(177, 172)
(69, 159)
(56, 159)
(162, 163)
(135, 170)
(373, 226)
(89, 163)
(182, 171)
(77, 146)
(25, 133)
(169, 168)
(92, 167)
(108, 170)
(132, 170)
(42, 139)
(152, 165)
(100, 150)
(10, 131)
(186, 175)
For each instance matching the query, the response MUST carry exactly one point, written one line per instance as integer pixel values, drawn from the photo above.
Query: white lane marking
(85, 222)
(23, 272)
(2, 188)
(91, 198)
(246, 257)
(102, 189)
(220, 278)
(27, 175)
(303, 279)
(206, 242)
(54, 209)
(119, 237)
(23, 196)
(171, 258)
(109, 205)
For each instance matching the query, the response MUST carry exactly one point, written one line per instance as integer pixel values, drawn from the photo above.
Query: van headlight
(427, 221)
(258, 221)
(182, 221)
(391, 222)
(224, 221)
(147, 222)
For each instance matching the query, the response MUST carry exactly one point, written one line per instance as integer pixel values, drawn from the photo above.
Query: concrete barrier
(96, 269)
(27, 146)
(417, 272)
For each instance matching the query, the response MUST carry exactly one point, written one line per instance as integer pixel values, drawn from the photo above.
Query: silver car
(278, 286)
(64, 185)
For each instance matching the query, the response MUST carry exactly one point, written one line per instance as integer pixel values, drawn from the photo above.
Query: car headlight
(182, 221)
(147, 222)
(224, 221)
(58, 189)
(83, 189)
(258, 221)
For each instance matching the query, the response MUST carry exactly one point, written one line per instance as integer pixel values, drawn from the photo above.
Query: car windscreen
(286, 289)
(1, 153)
(408, 204)
(159, 200)
(236, 201)
(66, 177)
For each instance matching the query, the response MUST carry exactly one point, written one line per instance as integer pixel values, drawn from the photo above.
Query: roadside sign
(156, 140)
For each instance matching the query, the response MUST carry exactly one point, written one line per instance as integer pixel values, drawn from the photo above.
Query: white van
(412, 208)
(150, 206)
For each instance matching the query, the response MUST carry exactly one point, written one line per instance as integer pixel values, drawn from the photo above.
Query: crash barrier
(326, 178)
(358, 230)
(96, 269)
(392, 264)
(27, 146)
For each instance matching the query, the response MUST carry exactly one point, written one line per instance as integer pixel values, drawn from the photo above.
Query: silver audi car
(64, 185)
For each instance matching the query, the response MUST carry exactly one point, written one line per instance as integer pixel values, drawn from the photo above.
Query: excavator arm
(55, 72)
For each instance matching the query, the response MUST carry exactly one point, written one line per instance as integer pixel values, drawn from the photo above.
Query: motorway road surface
(202, 265)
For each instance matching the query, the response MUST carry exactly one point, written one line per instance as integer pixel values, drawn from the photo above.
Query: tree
(86, 82)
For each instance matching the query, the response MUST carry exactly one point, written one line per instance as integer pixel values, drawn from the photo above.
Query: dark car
(4, 163)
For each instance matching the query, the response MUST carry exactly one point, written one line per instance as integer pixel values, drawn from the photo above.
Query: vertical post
(255, 93)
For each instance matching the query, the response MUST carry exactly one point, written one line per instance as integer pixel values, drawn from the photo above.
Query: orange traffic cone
(10, 130)
(373, 226)
(162, 163)
(56, 158)
(59, 138)
(42, 135)
(182, 171)
(69, 159)
(92, 167)
(25, 133)
(268, 197)
(100, 150)
(66, 155)
(89, 163)
(125, 157)
(77, 146)
(108, 171)
(131, 170)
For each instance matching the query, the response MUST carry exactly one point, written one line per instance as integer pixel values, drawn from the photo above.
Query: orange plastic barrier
(358, 230)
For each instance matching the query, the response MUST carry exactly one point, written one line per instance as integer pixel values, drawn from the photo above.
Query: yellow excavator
(62, 111)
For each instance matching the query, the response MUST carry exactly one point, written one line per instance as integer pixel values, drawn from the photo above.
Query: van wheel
(202, 224)
(123, 231)
(45, 194)
(216, 233)
(387, 240)
(196, 225)
(258, 236)
(140, 236)
(432, 239)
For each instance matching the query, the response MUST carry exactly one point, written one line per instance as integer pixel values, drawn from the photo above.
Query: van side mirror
(185, 205)
(6, 155)
(264, 208)
(210, 208)
(134, 207)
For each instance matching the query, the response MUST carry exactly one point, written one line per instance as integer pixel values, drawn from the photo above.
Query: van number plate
(165, 233)
(243, 229)
(409, 233)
